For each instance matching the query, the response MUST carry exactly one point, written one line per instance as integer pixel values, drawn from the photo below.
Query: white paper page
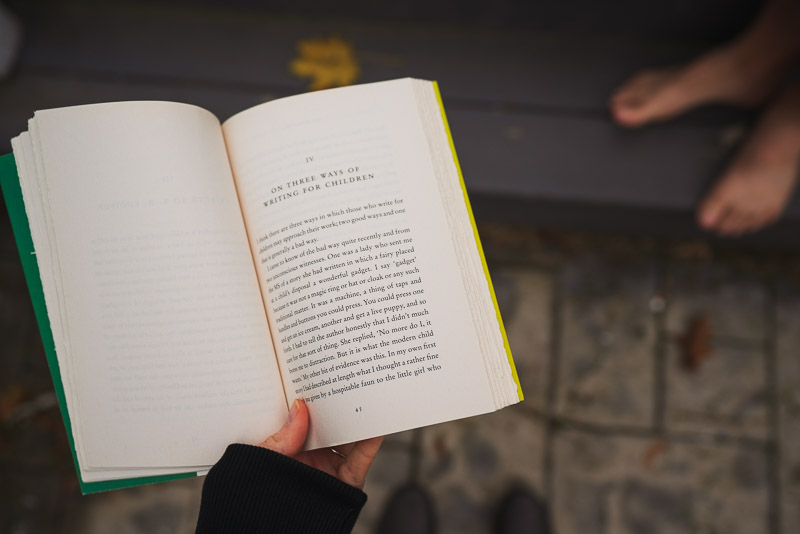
(101, 475)
(365, 298)
(37, 207)
(38, 213)
(169, 344)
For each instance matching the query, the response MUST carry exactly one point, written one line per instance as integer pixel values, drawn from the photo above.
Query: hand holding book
(349, 463)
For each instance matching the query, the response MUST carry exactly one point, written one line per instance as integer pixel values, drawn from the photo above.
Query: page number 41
(358, 410)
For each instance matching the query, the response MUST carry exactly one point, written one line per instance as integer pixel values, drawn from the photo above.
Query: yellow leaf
(328, 62)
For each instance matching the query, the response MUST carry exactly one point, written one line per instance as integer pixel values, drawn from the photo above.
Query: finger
(290, 438)
(355, 467)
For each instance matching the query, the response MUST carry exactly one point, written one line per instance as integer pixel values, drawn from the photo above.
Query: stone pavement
(617, 433)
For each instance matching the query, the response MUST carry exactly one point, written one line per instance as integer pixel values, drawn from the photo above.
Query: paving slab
(33, 500)
(607, 342)
(390, 470)
(630, 485)
(468, 465)
(525, 298)
(400, 439)
(733, 299)
(788, 384)
(727, 394)
(166, 508)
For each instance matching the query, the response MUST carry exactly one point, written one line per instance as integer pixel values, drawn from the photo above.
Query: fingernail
(293, 411)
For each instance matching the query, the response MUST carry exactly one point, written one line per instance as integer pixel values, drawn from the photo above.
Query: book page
(364, 294)
(167, 340)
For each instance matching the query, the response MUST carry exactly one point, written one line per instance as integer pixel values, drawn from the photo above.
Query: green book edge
(9, 183)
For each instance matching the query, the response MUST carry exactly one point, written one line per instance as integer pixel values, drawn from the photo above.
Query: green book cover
(9, 182)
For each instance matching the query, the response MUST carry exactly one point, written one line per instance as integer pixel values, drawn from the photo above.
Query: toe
(632, 87)
(629, 103)
(751, 222)
(733, 224)
(761, 220)
(626, 114)
(631, 111)
(712, 212)
(650, 96)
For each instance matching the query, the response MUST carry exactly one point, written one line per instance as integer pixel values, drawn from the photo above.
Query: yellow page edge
(478, 242)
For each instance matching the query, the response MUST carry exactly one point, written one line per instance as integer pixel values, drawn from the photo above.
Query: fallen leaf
(653, 452)
(10, 399)
(328, 62)
(439, 446)
(693, 250)
(696, 342)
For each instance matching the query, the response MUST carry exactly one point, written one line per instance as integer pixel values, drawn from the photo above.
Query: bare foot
(754, 190)
(730, 75)
(743, 73)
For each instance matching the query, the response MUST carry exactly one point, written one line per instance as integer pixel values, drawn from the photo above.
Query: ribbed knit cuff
(252, 489)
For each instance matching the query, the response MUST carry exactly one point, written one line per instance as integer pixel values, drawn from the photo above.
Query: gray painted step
(527, 109)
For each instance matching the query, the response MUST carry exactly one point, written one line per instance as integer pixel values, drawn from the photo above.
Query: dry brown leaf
(328, 62)
(10, 398)
(696, 342)
(439, 446)
(653, 452)
(693, 250)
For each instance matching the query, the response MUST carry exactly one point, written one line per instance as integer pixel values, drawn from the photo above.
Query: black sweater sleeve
(255, 490)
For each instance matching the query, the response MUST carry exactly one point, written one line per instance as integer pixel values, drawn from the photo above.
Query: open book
(192, 279)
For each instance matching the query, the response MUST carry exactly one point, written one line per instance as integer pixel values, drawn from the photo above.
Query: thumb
(290, 438)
